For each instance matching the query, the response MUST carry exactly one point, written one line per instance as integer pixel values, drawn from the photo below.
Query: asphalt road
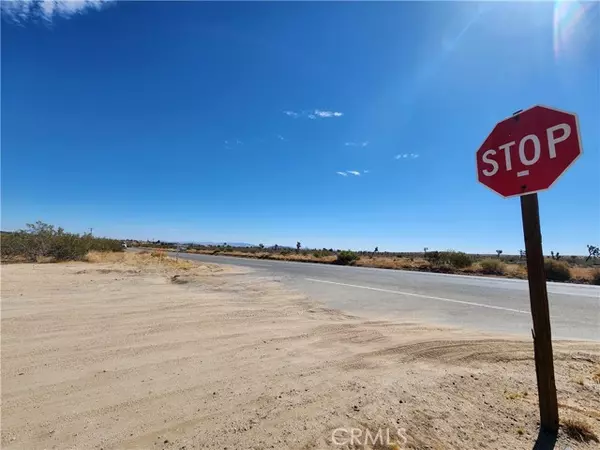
(481, 303)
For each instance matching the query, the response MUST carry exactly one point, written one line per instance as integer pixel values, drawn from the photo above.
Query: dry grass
(579, 430)
(515, 395)
(141, 259)
(516, 271)
(385, 262)
(583, 273)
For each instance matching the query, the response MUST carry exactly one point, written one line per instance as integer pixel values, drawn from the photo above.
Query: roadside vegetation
(576, 269)
(40, 242)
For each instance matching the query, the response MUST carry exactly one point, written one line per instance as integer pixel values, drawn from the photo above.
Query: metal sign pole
(538, 295)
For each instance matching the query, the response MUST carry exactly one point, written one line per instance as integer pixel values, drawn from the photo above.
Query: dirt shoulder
(145, 355)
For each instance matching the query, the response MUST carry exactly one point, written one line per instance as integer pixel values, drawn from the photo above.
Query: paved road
(488, 304)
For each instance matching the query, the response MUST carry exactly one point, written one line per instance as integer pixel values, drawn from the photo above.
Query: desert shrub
(40, 240)
(286, 251)
(596, 277)
(557, 270)
(493, 266)
(346, 257)
(433, 257)
(67, 247)
(456, 260)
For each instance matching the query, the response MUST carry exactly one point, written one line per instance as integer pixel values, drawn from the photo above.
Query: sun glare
(567, 15)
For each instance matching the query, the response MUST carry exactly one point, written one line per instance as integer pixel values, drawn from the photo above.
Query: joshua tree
(425, 250)
(555, 256)
(594, 252)
(298, 245)
(522, 254)
(276, 247)
(499, 253)
(261, 246)
(375, 251)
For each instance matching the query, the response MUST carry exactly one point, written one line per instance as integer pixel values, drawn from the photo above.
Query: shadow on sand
(545, 441)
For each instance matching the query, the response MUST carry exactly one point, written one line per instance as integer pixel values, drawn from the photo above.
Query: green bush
(41, 240)
(433, 257)
(456, 260)
(346, 257)
(493, 267)
(557, 270)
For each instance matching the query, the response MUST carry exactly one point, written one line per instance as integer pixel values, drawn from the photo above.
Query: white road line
(441, 299)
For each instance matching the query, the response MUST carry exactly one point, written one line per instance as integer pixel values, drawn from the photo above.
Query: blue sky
(345, 125)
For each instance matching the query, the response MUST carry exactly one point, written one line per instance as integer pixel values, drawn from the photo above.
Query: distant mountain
(232, 244)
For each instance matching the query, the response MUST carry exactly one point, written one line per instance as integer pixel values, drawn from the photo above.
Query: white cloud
(325, 114)
(406, 155)
(316, 114)
(238, 142)
(281, 138)
(22, 10)
(366, 171)
(344, 174)
(353, 172)
(356, 144)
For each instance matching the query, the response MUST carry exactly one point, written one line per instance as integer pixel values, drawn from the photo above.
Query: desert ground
(142, 352)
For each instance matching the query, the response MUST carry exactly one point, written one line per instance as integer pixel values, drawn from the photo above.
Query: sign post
(523, 155)
(540, 313)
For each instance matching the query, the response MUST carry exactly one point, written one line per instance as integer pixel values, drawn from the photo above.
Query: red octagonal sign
(529, 151)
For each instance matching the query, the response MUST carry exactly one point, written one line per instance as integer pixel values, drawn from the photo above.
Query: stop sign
(529, 151)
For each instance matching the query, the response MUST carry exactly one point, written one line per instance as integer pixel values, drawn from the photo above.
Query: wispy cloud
(356, 173)
(229, 144)
(356, 144)
(281, 138)
(407, 155)
(325, 114)
(23, 10)
(313, 114)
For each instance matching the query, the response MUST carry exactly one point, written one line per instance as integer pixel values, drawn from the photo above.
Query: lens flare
(567, 14)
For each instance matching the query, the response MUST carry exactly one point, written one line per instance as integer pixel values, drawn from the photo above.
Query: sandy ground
(122, 355)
